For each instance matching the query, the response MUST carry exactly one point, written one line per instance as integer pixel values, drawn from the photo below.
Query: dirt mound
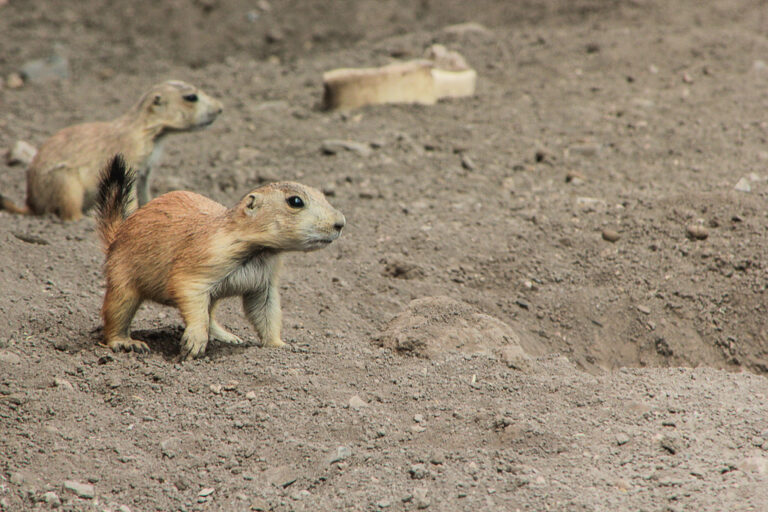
(437, 325)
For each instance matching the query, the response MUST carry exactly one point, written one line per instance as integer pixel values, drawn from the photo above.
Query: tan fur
(64, 175)
(185, 250)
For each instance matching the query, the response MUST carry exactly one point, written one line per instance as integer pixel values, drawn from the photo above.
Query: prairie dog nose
(340, 223)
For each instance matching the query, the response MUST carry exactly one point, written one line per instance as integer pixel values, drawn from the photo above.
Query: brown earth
(474, 229)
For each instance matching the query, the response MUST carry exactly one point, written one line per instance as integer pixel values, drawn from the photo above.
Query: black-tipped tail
(115, 198)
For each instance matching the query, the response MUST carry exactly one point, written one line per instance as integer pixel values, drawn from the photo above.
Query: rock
(280, 476)
(14, 81)
(333, 146)
(21, 153)
(575, 178)
(644, 309)
(743, 185)
(610, 235)
(696, 232)
(251, 395)
(464, 29)
(216, 389)
(274, 35)
(63, 384)
(467, 162)
(205, 492)
(421, 498)
(591, 204)
(671, 444)
(437, 458)
(50, 69)
(434, 325)
(170, 447)
(231, 385)
(418, 418)
(342, 452)
(622, 439)
(9, 357)
(52, 499)
(30, 239)
(515, 357)
(357, 403)
(181, 483)
(421, 81)
(82, 490)
(384, 503)
(418, 472)
(584, 150)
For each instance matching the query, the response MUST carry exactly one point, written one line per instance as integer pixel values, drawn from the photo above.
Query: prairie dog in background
(63, 177)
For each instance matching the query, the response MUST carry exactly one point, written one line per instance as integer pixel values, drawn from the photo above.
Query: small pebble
(82, 490)
(63, 384)
(743, 185)
(357, 403)
(622, 439)
(697, 232)
(610, 235)
(418, 471)
(467, 162)
(670, 444)
(585, 150)
(342, 452)
(421, 498)
(332, 147)
(52, 499)
(207, 491)
(575, 178)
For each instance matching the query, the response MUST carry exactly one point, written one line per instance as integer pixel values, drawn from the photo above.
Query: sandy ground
(472, 342)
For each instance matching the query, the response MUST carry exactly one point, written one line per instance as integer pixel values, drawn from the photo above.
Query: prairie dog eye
(190, 97)
(295, 202)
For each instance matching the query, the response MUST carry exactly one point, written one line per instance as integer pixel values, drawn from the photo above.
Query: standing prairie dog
(185, 250)
(63, 178)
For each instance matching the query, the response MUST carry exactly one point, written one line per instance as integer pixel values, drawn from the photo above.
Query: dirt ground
(474, 234)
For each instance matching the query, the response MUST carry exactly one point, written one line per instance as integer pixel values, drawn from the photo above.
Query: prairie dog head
(290, 216)
(178, 106)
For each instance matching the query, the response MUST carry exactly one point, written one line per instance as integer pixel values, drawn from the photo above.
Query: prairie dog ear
(253, 202)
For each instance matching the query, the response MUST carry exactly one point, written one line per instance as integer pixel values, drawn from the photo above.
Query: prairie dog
(63, 178)
(185, 250)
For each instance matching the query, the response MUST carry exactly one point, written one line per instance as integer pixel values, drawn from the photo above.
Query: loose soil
(473, 341)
